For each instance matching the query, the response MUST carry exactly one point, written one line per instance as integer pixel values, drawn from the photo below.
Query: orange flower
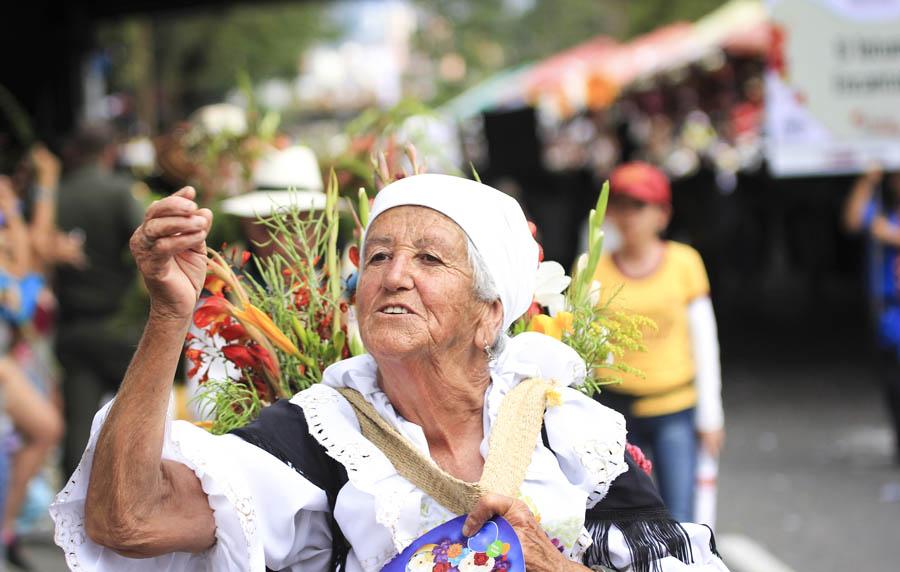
(214, 309)
(554, 327)
(253, 316)
(195, 356)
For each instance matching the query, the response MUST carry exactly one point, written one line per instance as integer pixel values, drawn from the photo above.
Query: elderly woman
(317, 483)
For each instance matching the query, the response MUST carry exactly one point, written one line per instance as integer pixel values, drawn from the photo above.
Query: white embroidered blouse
(268, 515)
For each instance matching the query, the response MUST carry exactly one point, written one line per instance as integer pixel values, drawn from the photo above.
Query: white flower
(581, 263)
(594, 295)
(551, 281)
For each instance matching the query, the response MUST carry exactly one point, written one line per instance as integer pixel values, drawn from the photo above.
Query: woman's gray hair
(485, 290)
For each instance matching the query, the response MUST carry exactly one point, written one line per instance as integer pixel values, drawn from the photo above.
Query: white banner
(833, 86)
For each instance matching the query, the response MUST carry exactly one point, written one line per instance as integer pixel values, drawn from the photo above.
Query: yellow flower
(566, 321)
(253, 316)
(544, 324)
(555, 326)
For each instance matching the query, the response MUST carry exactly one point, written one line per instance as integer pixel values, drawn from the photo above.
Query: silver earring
(489, 352)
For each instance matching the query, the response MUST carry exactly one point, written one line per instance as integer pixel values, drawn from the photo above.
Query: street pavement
(807, 474)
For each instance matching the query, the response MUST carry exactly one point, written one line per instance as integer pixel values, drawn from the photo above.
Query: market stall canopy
(561, 78)
(659, 51)
(592, 74)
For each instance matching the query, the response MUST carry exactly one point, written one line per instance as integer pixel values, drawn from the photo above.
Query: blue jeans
(671, 442)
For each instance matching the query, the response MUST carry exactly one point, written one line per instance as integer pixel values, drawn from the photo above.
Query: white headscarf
(492, 220)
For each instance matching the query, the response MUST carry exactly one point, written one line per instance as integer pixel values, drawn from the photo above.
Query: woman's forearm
(129, 487)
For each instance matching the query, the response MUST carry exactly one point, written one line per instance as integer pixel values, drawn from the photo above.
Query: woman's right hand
(170, 250)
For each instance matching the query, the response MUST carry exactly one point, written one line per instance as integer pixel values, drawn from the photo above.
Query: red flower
(213, 309)
(245, 258)
(263, 358)
(301, 297)
(481, 558)
(240, 356)
(195, 356)
(441, 567)
(232, 331)
(261, 387)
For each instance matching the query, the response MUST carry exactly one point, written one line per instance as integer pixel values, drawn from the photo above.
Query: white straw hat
(285, 179)
(266, 203)
(292, 168)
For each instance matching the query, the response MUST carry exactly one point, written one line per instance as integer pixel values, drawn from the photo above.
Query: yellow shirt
(663, 296)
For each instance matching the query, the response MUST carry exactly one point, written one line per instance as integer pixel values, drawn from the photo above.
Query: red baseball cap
(641, 181)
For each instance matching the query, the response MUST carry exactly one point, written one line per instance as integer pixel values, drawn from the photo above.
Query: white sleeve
(704, 560)
(265, 512)
(705, 344)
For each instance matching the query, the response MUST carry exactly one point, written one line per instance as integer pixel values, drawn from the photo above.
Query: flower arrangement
(277, 333)
(574, 311)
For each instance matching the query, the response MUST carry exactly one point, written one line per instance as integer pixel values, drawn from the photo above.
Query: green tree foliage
(646, 15)
(195, 56)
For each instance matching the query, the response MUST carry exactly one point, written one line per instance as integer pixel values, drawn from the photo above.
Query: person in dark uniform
(92, 348)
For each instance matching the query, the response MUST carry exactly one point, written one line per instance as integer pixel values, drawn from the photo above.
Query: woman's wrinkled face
(415, 293)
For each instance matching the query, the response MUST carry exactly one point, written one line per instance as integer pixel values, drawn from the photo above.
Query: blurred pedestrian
(873, 207)
(36, 421)
(97, 205)
(677, 406)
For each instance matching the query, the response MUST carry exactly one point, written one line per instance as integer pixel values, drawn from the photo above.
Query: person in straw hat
(283, 179)
(446, 415)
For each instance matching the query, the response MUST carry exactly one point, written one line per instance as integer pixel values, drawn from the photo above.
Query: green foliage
(234, 404)
(601, 335)
(194, 56)
(647, 15)
(579, 292)
(302, 297)
(299, 289)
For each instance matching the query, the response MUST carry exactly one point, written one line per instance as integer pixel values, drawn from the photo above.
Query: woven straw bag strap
(512, 443)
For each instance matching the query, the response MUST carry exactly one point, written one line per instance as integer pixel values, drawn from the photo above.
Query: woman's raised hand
(170, 250)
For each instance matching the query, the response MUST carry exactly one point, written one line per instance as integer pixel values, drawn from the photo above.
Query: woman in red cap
(677, 406)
